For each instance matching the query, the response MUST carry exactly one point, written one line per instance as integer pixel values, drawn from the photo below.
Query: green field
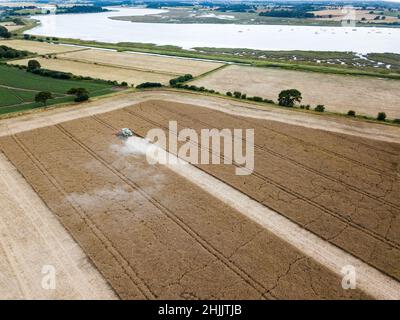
(18, 89)
(12, 97)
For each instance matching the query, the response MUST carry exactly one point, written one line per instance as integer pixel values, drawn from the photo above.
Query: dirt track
(154, 234)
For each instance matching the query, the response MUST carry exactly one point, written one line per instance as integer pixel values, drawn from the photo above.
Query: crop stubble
(150, 232)
(344, 189)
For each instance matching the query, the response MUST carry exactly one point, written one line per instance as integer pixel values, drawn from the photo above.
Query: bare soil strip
(30, 239)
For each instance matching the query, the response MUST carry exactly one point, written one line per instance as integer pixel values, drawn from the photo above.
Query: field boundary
(179, 52)
(116, 66)
(106, 103)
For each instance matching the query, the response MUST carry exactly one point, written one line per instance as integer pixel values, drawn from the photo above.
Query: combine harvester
(125, 133)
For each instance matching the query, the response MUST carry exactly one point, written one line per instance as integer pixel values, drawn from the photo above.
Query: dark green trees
(81, 94)
(33, 65)
(288, 98)
(4, 32)
(43, 96)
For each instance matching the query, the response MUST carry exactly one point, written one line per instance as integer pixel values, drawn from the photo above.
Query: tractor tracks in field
(255, 284)
(104, 240)
(295, 194)
(370, 265)
(293, 161)
(322, 149)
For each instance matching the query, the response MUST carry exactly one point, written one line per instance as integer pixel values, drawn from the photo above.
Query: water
(97, 26)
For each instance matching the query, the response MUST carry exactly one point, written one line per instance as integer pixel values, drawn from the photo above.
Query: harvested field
(24, 216)
(344, 190)
(142, 62)
(338, 93)
(110, 65)
(99, 72)
(37, 47)
(106, 200)
(192, 244)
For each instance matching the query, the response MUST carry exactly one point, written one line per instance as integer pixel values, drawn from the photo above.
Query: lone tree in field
(43, 96)
(381, 116)
(81, 94)
(33, 65)
(4, 32)
(287, 98)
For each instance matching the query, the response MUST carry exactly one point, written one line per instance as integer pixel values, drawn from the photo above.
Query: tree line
(10, 53)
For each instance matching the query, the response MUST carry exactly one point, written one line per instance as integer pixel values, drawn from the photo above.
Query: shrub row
(239, 95)
(10, 53)
(181, 79)
(66, 76)
(381, 116)
(145, 85)
(194, 88)
(52, 74)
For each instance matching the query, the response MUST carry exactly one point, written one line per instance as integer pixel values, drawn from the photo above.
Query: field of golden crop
(99, 72)
(338, 93)
(151, 63)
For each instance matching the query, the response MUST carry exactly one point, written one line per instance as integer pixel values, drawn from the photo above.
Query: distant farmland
(100, 72)
(38, 47)
(133, 68)
(142, 62)
(18, 89)
(339, 93)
